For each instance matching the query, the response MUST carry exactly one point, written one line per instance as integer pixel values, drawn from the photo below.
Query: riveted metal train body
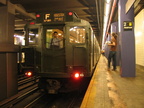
(64, 68)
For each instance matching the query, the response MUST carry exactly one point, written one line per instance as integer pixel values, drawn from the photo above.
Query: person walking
(112, 52)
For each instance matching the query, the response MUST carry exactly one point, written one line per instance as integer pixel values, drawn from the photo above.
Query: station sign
(127, 25)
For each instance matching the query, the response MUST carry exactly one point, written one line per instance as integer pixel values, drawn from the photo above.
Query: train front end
(64, 61)
(63, 68)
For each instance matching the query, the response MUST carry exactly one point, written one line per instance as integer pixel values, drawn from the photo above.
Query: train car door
(76, 49)
(53, 56)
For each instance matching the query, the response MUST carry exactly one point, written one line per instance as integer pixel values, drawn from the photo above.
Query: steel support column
(8, 53)
(127, 41)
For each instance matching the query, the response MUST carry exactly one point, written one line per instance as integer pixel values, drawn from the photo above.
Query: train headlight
(81, 75)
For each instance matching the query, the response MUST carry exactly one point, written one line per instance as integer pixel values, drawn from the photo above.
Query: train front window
(30, 36)
(77, 35)
(33, 36)
(50, 39)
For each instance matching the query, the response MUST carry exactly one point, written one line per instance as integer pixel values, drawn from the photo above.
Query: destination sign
(59, 17)
(55, 17)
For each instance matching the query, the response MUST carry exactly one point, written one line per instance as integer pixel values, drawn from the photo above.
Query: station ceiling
(90, 10)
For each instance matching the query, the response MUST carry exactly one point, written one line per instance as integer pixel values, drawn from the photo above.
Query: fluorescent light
(107, 9)
(106, 18)
(108, 1)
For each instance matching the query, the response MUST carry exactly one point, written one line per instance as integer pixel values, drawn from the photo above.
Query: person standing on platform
(103, 52)
(112, 52)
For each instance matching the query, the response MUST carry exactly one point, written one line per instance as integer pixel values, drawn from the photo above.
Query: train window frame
(80, 36)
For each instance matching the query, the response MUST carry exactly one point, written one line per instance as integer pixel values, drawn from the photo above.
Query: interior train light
(28, 74)
(70, 13)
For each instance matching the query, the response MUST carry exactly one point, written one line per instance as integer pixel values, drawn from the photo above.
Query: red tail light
(28, 74)
(76, 75)
(37, 15)
(32, 23)
(70, 13)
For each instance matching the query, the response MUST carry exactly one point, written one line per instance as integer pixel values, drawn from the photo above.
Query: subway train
(64, 64)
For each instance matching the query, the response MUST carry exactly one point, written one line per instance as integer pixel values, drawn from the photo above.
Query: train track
(26, 87)
(29, 96)
(68, 100)
(63, 100)
(26, 82)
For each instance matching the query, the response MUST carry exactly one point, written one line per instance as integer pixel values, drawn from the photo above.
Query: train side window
(21, 58)
(49, 36)
(33, 36)
(77, 34)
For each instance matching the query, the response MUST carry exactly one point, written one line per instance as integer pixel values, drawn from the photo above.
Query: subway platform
(108, 89)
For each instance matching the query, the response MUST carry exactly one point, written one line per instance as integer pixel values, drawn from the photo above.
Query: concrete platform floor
(108, 89)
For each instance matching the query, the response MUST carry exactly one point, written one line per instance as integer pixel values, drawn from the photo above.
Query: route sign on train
(55, 17)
